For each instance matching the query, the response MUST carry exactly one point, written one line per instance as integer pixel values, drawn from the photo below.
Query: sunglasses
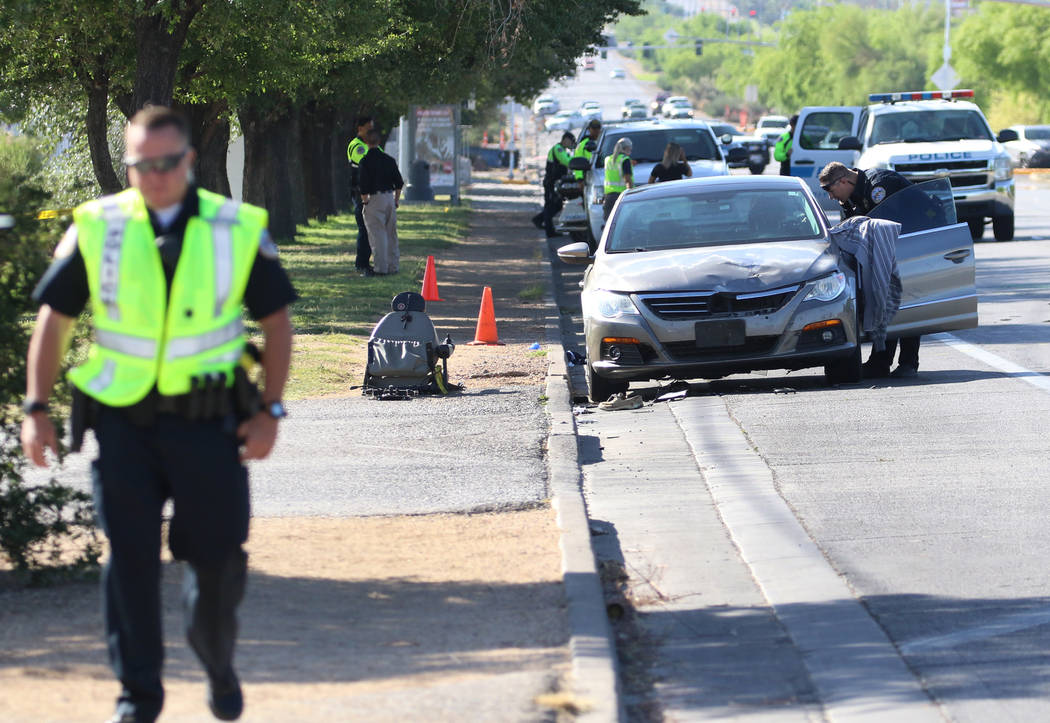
(164, 164)
(827, 186)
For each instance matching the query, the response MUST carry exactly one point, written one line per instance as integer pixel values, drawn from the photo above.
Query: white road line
(1002, 626)
(995, 361)
(856, 670)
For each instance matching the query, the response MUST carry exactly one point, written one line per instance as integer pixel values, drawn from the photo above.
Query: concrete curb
(595, 683)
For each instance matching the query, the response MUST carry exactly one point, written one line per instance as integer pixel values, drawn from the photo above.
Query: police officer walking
(558, 158)
(355, 151)
(166, 267)
(858, 192)
(782, 149)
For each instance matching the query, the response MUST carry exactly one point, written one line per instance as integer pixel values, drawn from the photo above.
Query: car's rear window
(713, 218)
(648, 146)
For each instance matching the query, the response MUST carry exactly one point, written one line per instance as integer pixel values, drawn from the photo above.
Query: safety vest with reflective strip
(356, 150)
(145, 336)
(614, 180)
(582, 152)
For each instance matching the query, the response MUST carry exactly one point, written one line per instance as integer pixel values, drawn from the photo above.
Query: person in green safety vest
(619, 174)
(782, 149)
(355, 151)
(166, 268)
(594, 129)
(557, 166)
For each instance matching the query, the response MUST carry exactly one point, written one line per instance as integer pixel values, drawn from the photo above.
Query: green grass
(646, 77)
(338, 308)
(532, 293)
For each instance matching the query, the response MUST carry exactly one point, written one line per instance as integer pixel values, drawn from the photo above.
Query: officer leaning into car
(858, 192)
(558, 158)
(594, 129)
(165, 267)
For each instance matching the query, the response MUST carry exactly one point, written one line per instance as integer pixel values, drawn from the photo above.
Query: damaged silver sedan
(709, 277)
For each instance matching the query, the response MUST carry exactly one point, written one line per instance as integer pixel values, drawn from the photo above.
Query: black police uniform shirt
(675, 173)
(873, 187)
(65, 285)
(378, 173)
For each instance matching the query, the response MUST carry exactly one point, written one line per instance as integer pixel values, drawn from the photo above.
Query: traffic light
(699, 47)
(647, 52)
(604, 53)
(752, 13)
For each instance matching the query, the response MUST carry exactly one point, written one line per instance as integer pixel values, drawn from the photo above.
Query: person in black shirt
(673, 167)
(381, 183)
(858, 192)
(162, 447)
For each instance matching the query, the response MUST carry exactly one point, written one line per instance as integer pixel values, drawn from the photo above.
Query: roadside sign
(945, 78)
(671, 36)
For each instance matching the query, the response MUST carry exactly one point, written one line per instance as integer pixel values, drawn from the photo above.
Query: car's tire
(976, 228)
(599, 388)
(756, 169)
(845, 371)
(1003, 227)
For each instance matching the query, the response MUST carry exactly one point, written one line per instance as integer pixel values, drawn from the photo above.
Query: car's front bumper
(773, 341)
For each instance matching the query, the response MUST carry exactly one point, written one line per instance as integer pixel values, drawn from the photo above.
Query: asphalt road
(863, 552)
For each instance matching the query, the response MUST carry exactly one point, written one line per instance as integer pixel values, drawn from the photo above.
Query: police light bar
(919, 95)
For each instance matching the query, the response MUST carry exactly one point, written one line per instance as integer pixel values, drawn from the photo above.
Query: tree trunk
(340, 135)
(316, 124)
(159, 38)
(97, 124)
(210, 133)
(273, 171)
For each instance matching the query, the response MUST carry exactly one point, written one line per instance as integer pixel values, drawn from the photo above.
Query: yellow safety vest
(614, 180)
(356, 150)
(144, 335)
(582, 152)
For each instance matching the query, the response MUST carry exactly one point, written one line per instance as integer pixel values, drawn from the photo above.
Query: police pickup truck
(921, 135)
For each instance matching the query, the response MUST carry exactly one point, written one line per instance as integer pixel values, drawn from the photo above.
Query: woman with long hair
(673, 167)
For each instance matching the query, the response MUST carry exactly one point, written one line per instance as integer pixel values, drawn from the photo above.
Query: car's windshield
(920, 206)
(1038, 133)
(648, 146)
(717, 217)
(923, 126)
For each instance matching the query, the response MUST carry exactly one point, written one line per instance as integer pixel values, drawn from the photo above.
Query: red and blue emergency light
(919, 95)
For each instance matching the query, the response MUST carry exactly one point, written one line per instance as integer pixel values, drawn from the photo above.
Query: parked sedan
(754, 146)
(1030, 140)
(708, 277)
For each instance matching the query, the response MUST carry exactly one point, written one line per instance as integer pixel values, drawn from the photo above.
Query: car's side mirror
(736, 155)
(579, 164)
(1006, 135)
(578, 253)
(849, 143)
(726, 138)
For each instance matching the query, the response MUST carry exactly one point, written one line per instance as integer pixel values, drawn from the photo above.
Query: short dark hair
(832, 172)
(595, 123)
(372, 137)
(155, 117)
(567, 136)
(363, 120)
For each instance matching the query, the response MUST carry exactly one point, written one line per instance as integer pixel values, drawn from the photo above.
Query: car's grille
(701, 305)
(941, 166)
(687, 351)
(964, 181)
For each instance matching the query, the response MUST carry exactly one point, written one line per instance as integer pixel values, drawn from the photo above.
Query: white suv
(921, 135)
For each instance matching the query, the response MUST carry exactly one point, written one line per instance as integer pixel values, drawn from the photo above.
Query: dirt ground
(433, 617)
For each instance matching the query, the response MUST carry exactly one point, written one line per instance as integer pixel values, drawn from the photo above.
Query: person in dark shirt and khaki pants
(381, 184)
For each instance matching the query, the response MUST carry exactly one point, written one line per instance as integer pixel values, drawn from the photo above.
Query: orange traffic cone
(430, 284)
(486, 332)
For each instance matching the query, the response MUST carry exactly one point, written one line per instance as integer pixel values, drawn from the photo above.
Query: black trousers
(909, 355)
(364, 248)
(138, 469)
(552, 203)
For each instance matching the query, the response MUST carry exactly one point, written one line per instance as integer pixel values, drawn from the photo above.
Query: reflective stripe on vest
(126, 343)
(222, 239)
(109, 273)
(185, 346)
(614, 181)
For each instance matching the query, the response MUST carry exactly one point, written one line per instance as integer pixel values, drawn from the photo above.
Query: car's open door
(936, 260)
(816, 144)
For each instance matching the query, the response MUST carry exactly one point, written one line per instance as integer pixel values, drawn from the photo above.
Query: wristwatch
(32, 406)
(275, 410)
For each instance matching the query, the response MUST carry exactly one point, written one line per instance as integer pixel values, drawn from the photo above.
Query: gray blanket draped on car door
(873, 243)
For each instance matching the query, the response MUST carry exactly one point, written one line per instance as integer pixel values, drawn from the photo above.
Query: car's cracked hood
(734, 269)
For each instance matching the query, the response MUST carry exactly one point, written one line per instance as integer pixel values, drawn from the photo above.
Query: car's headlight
(1004, 169)
(608, 304)
(828, 287)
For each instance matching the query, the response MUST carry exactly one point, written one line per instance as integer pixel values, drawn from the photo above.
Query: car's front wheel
(976, 228)
(756, 168)
(1003, 227)
(845, 371)
(599, 388)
